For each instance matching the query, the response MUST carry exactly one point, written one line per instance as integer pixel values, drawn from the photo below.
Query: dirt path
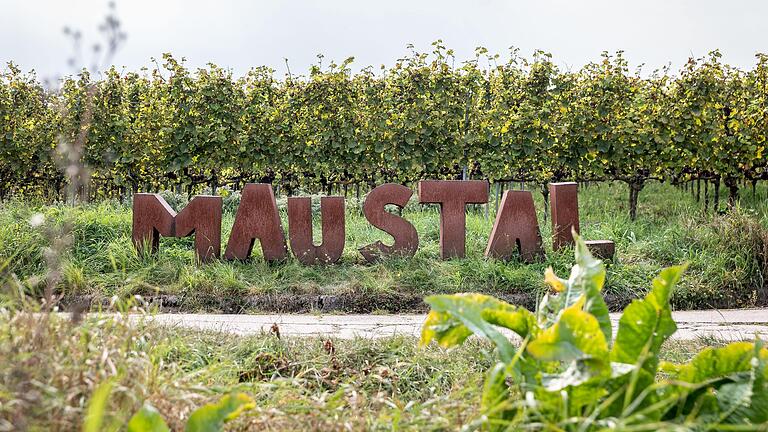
(724, 324)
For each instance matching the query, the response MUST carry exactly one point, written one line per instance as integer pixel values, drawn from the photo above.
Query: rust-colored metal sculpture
(152, 218)
(453, 197)
(300, 230)
(516, 229)
(202, 217)
(564, 204)
(406, 240)
(602, 249)
(257, 218)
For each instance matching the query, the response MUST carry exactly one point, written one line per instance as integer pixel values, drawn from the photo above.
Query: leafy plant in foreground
(208, 418)
(568, 373)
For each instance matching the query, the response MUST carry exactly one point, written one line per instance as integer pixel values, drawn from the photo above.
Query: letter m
(153, 218)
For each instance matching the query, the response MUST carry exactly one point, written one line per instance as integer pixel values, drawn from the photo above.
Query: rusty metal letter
(257, 218)
(516, 228)
(152, 218)
(406, 240)
(564, 202)
(453, 196)
(202, 217)
(300, 230)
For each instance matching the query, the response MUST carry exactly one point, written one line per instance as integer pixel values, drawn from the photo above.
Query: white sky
(238, 34)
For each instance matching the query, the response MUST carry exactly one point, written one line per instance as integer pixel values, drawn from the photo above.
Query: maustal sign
(515, 231)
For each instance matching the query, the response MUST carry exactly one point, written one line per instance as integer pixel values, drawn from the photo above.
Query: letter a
(257, 218)
(516, 228)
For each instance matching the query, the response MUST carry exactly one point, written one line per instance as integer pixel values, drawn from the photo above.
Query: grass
(51, 365)
(727, 254)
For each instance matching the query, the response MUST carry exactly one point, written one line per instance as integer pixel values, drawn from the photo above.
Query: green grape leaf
(646, 324)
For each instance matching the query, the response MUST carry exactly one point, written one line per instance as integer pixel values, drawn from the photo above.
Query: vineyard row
(171, 127)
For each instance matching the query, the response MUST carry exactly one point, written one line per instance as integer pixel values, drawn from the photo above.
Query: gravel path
(728, 325)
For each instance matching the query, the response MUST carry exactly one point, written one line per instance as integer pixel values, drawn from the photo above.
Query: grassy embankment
(727, 254)
(51, 367)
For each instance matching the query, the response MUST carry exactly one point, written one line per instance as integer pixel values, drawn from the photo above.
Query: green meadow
(726, 251)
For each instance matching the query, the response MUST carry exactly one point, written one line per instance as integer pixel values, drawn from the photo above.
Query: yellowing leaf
(555, 282)
(575, 336)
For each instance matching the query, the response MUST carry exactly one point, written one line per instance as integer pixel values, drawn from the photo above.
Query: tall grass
(51, 366)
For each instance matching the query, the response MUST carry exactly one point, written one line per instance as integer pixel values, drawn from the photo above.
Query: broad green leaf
(589, 391)
(444, 328)
(669, 367)
(147, 419)
(577, 373)
(575, 336)
(646, 324)
(211, 417)
(712, 363)
(586, 280)
(455, 315)
(517, 319)
(738, 375)
(746, 402)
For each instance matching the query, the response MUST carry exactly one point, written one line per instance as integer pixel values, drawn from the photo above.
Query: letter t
(453, 197)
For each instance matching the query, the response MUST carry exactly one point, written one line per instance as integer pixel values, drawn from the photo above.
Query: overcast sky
(239, 34)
